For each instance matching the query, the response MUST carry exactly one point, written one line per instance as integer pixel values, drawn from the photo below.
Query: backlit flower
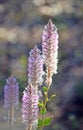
(11, 93)
(50, 50)
(30, 106)
(35, 67)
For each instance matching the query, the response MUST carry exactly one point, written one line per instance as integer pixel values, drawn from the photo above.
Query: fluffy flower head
(11, 93)
(30, 105)
(35, 67)
(50, 50)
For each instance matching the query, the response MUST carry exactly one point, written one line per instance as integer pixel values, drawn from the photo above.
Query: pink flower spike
(11, 93)
(35, 67)
(30, 106)
(50, 50)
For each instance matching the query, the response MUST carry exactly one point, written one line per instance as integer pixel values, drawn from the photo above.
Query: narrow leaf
(47, 121)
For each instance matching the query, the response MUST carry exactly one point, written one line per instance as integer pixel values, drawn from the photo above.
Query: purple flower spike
(50, 50)
(35, 67)
(11, 93)
(30, 106)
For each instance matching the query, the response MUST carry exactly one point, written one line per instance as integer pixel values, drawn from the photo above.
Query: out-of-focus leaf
(47, 121)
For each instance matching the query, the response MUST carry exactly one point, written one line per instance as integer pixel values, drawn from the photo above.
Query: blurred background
(21, 25)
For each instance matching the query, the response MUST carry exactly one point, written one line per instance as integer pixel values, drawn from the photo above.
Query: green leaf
(40, 104)
(43, 111)
(47, 121)
(40, 122)
(52, 96)
(45, 89)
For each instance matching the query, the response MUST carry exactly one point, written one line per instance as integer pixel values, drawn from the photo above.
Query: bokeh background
(21, 25)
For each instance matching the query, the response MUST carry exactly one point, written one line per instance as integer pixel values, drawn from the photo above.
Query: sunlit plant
(35, 67)
(49, 58)
(34, 101)
(30, 107)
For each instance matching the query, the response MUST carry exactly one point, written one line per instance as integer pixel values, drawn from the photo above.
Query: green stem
(46, 96)
(29, 127)
(44, 106)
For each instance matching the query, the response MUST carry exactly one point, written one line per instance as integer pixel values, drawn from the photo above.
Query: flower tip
(35, 46)
(51, 24)
(50, 21)
(34, 50)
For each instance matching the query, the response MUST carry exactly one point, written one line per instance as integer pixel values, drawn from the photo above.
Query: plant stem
(11, 116)
(29, 127)
(45, 100)
(46, 96)
(48, 80)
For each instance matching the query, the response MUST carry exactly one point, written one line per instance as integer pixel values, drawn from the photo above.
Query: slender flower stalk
(30, 107)
(50, 50)
(11, 97)
(35, 67)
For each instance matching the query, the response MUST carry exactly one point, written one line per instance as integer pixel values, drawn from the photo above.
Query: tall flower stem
(48, 83)
(29, 127)
(11, 115)
(50, 53)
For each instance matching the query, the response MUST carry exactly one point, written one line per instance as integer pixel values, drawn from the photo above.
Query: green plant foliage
(40, 123)
(45, 89)
(40, 104)
(47, 121)
(43, 111)
(52, 97)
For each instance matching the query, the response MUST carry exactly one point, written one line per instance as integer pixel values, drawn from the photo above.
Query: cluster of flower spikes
(30, 96)
(35, 72)
(50, 50)
(11, 93)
